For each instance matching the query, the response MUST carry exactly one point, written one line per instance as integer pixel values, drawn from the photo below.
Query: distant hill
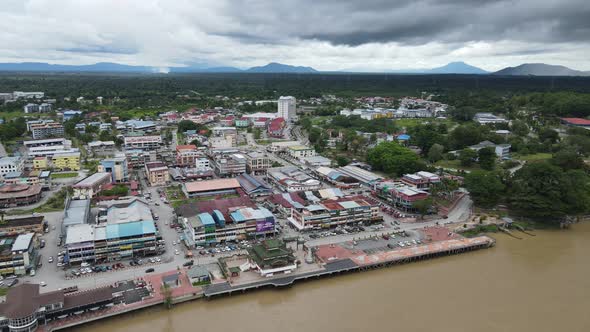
(272, 67)
(458, 67)
(540, 69)
(275, 67)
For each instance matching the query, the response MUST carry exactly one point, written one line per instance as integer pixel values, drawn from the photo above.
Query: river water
(539, 283)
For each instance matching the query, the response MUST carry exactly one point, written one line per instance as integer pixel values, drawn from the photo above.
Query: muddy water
(540, 283)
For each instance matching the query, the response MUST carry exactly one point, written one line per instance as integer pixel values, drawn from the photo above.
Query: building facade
(287, 108)
(117, 166)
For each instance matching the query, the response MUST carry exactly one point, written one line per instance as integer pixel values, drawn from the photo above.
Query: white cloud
(163, 33)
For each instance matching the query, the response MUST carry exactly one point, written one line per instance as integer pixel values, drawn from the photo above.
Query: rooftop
(93, 180)
(211, 185)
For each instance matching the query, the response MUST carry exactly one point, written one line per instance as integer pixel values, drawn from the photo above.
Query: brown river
(539, 283)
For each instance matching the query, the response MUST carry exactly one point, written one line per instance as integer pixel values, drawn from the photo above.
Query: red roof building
(275, 127)
(578, 122)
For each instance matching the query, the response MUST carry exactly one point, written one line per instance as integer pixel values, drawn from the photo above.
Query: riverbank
(331, 260)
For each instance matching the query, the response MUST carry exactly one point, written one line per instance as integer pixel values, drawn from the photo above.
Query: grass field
(532, 157)
(64, 175)
(456, 164)
(408, 123)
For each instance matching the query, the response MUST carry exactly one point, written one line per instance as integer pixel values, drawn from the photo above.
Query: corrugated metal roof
(130, 229)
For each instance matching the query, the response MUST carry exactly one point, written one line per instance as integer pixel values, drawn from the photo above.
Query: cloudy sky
(324, 34)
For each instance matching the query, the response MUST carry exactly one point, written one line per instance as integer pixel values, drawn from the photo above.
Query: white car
(176, 252)
(173, 243)
(158, 259)
(42, 284)
(50, 259)
(84, 264)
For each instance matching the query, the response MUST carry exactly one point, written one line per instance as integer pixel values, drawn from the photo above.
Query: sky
(360, 35)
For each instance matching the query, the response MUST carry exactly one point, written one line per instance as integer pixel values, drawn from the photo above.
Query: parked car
(42, 284)
(151, 269)
(50, 259)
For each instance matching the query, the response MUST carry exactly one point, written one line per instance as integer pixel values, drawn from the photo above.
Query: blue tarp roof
(219, 215)
(127, 229)
(404, 137)
(206, 219)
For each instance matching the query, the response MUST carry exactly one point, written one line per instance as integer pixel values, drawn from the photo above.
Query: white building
(31, 108)
(11, 164)
(287, 108)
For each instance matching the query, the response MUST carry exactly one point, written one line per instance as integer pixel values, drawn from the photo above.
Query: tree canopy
(394, 159)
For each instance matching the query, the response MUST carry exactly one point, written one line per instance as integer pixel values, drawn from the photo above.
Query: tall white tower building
(286, 108)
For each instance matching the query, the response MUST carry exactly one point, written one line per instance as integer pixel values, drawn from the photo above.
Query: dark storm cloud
(353, 22)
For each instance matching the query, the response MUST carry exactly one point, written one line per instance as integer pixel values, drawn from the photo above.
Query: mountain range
(536, 69)
(541, 69)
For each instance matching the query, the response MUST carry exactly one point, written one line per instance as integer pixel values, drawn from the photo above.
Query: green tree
(519, 128)
(435, 153)
(342, 161)
(185, 125)
(548, 134)
(568, 159)
(542, 190)
(394, 159)
(423, 206)
(464, 136)
(486, 188)
(257, 133)
(487, 158)
(424, 136)
(467, 157)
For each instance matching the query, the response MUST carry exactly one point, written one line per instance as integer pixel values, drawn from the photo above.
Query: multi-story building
(502, 150)
(23, 225)
(11, 164)
(69, 161)
(300, 151)
(17, 254)
(47, 130)
(48, 147)
(242, 122)
(117, 166)
(399, 194)
(157, 173)
(210, 228)
(40, 163)
(292, 179)
(31, 108)
(287, 108)
(29, 178)
(138, 158)
(202, 163)
(309, 210)
(186, 155)
(28, 95)
(19, 194)
(143, 142)
(281, 146)
(223, 137)
(258, 163)
(421, 180)
(90, 186)
(129, 231)
(45, 108)
(230, 165)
